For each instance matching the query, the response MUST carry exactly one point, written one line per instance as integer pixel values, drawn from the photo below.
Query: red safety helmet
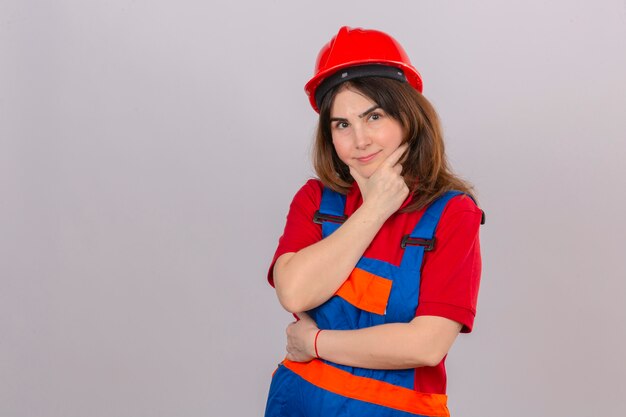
(366, 53)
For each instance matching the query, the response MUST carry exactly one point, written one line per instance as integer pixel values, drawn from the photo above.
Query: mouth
(368, 158)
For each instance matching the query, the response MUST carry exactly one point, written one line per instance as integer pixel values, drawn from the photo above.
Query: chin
(368, 171)
(366, 174)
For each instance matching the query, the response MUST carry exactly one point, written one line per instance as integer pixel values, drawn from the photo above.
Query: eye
(341, 125)
(375, 116)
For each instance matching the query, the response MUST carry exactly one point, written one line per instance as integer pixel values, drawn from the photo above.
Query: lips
(368, 158)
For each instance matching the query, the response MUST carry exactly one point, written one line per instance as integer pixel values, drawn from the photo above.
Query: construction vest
(375, 293)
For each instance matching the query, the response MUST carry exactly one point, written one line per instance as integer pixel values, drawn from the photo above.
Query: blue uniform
(375, 293)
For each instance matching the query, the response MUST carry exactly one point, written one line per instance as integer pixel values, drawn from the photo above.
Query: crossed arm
(307, 278)
(422, 342)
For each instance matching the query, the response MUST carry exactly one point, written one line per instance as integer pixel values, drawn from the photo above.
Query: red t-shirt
(450, 273)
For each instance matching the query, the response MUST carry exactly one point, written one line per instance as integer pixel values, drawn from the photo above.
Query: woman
(380, 257)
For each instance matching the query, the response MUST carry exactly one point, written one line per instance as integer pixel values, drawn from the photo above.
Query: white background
(149, 151)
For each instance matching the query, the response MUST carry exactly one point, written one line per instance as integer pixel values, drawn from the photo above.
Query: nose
(361, 138)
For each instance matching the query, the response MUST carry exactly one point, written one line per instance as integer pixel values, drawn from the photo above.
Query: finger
(395, 155)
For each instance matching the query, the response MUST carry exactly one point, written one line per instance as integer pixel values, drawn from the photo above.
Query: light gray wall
(149, 151)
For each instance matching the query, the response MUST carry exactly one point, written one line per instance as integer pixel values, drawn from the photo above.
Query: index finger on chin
(396, 155)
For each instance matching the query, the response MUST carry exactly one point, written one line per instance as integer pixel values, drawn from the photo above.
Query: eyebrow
(368, 111)
(362, 115)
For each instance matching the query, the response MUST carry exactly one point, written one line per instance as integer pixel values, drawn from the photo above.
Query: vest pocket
(366, 291)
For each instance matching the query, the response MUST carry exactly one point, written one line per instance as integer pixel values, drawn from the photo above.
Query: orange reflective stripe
(369, 390)
(366, 291)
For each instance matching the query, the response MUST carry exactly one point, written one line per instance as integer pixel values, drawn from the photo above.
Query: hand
(385, 190)
(301, 339)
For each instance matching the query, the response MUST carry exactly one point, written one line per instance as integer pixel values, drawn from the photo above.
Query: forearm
(423, 342)
(311, 276)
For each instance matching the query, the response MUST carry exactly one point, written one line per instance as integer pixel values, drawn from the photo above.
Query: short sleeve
(451, 272)
(300, 231)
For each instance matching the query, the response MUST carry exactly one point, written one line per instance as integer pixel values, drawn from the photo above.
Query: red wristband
(315, 343)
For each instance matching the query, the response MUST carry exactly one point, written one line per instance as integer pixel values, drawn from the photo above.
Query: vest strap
(331, 212)
(332, 204)
(407, 240)
(320, 218)
(425, 228)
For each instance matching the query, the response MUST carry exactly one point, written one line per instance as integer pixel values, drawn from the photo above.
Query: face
(364, 135)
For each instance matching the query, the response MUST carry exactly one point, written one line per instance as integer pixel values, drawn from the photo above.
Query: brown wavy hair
(425, 168)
